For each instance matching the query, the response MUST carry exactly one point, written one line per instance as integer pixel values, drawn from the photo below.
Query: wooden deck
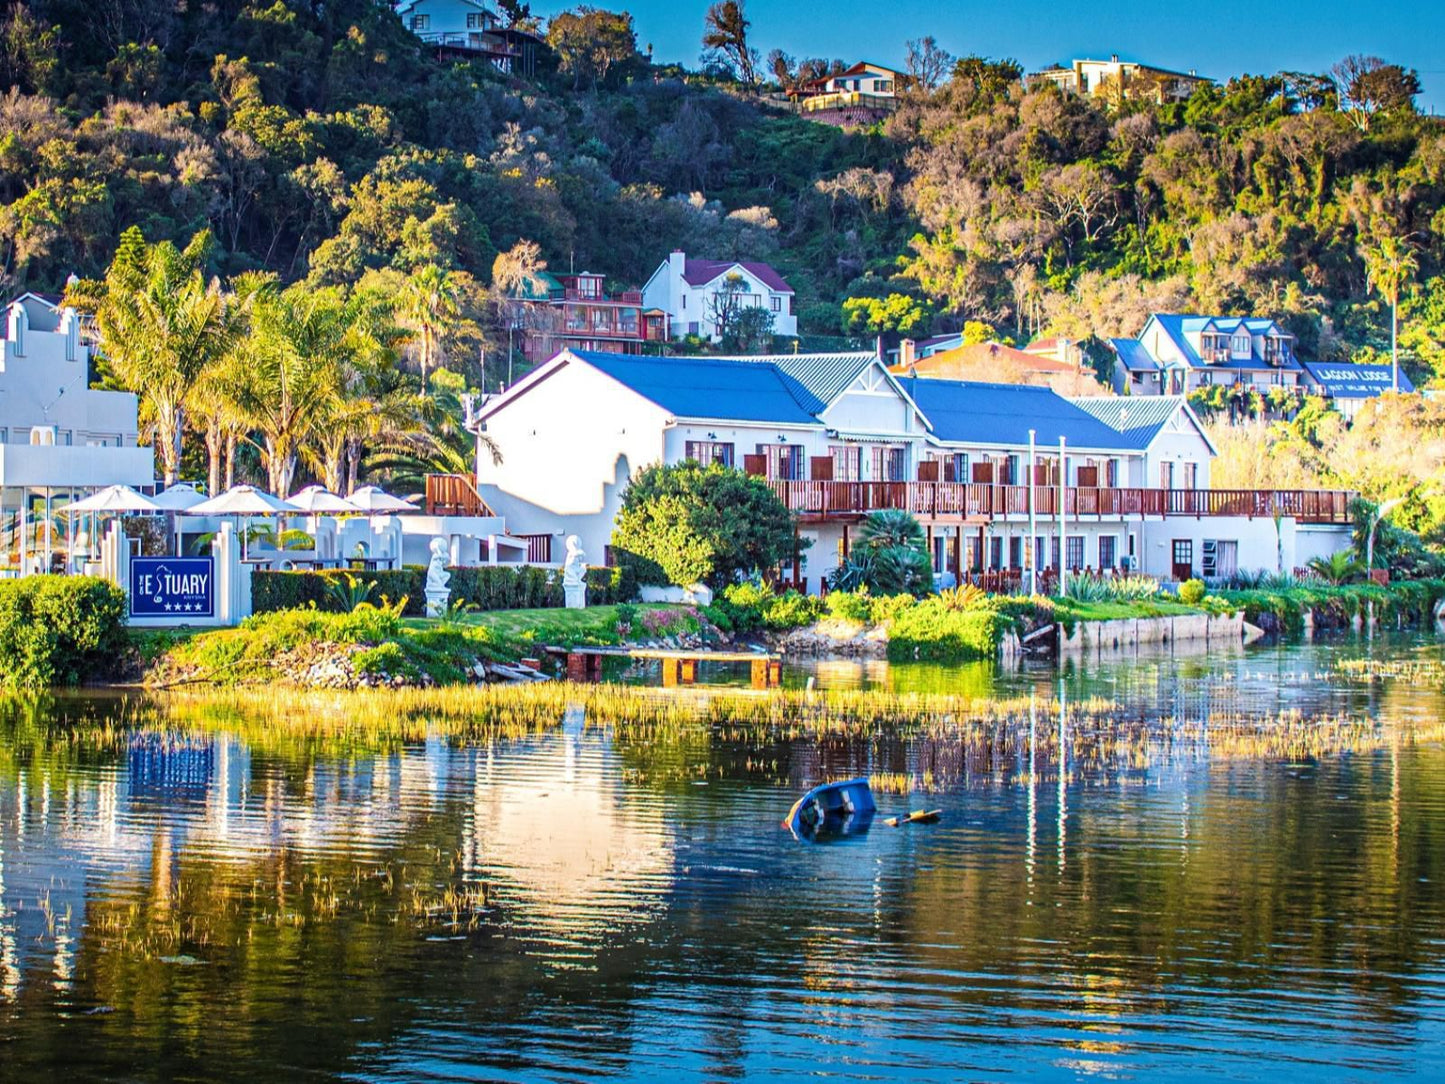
(679, 665)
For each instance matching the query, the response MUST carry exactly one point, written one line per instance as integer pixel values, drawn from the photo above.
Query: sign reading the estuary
(172, 587)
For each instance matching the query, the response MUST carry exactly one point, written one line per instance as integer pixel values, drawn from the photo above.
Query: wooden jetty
(679, 665)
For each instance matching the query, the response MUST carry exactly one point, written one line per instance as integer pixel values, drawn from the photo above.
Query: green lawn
(1110, 611)
(595, 624)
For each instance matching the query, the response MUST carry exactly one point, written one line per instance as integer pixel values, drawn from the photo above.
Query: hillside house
(1177, 354)
(863, 94)
(574, 311)
(1347, 386)
(837, 436)
(691, 292)
(1119, 80)
(468, 29)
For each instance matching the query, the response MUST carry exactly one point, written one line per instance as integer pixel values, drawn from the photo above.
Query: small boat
(842, 808)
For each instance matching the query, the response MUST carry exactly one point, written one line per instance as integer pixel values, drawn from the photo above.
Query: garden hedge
(488, 587)
(61, 630)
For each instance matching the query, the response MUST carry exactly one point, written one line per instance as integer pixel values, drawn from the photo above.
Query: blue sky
(1219, 38)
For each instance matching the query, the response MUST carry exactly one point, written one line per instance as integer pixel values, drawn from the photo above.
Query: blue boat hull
(842, 808)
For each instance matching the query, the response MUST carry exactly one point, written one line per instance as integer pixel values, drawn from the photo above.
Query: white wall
(569, 442)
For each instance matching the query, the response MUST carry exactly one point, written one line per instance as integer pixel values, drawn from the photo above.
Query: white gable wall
(569, 443)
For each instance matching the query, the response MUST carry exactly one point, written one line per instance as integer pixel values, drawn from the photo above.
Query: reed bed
(1428, 672)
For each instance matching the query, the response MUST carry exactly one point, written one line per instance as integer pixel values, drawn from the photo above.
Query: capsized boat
(842, 808)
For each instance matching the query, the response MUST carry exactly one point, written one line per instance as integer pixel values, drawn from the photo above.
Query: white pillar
(1031, 554)
(1063, 512)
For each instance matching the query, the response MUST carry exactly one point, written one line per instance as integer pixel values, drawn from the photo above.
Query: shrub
(792, 610)
(387, 658)
(273, 591)
(889, 607)
(744, 605)
(1191, 592)
(968, 597)
(60, 630)
(854, 605)
(929, 630)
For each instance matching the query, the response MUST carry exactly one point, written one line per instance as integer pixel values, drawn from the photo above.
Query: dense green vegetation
(60, 630)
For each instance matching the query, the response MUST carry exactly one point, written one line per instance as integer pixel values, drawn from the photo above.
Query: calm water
(218, 903)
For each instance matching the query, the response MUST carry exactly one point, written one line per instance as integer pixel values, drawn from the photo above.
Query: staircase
(454, 495)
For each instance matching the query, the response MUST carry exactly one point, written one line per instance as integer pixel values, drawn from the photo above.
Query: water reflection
(180, 900)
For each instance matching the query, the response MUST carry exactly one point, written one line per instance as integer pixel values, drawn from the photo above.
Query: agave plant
(962, 598)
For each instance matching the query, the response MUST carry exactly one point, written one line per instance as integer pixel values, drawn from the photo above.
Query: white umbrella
(318, 500)
(242, 501)
(375, 499)
(113, 499)
(178, 498)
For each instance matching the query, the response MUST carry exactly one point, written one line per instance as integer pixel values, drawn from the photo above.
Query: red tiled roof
(962, 359)
(701, 272)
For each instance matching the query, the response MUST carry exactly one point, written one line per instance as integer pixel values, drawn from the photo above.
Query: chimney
(1114, 59)
(907, 353)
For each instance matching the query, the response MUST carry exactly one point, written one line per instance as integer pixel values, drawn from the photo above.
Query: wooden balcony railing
(454, 495)
(973, 499)
(539, 548)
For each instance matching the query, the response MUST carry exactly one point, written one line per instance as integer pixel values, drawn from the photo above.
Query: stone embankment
(1127, 632)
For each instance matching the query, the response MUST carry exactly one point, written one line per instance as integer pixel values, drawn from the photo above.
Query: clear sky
(1219, 38)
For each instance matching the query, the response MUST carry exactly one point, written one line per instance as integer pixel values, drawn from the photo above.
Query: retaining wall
(1094, 636)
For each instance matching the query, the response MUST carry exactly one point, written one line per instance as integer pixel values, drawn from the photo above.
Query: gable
(873, 402)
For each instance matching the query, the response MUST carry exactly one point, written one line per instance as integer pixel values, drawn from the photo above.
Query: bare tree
(725, 35)
(726, 303)
(1367, 86)
(928, 64)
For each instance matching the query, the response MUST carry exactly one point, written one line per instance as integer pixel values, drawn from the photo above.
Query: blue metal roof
(814, 380)
(1136, 418)
(1132, 353)
(1344, 380)
(968, 412)
(1179, 327)
(720, 388)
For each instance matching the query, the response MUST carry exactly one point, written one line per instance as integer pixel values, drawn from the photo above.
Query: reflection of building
(574, 311)
(1116, 79)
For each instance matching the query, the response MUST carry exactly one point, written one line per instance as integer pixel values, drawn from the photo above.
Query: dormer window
(1241, 344)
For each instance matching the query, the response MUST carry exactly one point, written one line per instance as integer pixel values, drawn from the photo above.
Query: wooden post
(929, 532)
(958, 553)
(760, 673)
(671, 672)
(775, 673)
(577, 667)
(687, 671)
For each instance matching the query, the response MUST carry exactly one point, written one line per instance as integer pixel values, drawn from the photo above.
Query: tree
(1390, 265)
(428, 302)
(591, 42)
(890, 556)
(689, 524)
(517, 279)
(725, 303)
(928, 64)
(1367, 86)
(162, 325)
(751, 331)
(725, 35)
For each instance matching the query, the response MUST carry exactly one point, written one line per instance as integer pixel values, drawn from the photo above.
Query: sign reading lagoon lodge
(172, 587)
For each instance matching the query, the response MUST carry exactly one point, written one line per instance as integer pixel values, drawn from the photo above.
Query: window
(1016, 553)
(474, 21)
(1241, 344)
(684, 300)
(995, 553)
(888, 464)
(421, 22)
(776, 302)
(1108, 552)
(1182, 551)
(960, 467)
(1111, 473)
(1191, 475)
(785, 461)
(708, 452)
(1166, 475)
(1074, 551)
(847, 462)
(3, 434)
(1039, 551)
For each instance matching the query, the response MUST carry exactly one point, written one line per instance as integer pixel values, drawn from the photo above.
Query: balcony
(969, 500)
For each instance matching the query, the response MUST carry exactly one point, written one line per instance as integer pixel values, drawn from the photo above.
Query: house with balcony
(693, 293)
(59, 438)
(1114, 484)
(1179, 353)
(468, 29)
(575, 312)
(863, 94)
(1118, 80)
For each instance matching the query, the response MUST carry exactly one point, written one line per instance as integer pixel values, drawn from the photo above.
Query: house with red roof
(698, 296)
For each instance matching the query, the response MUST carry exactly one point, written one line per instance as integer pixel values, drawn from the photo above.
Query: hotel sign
(172, 587)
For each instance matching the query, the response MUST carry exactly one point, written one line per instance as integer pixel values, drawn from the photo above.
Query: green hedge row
(1404, 602)
(60, 630)
(489, 587)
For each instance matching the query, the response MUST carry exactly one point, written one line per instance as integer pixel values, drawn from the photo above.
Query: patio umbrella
(113, 499)
(242, 501)
(375, 499)
(178, 498)
(320, 501)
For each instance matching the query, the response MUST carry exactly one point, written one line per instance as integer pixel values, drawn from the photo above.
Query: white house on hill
(837, 436)
(688, 290)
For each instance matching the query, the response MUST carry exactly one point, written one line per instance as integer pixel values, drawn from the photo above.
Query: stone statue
(438, 579)
(574, 574)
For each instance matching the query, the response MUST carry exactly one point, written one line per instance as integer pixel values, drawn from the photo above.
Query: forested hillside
(322, 141)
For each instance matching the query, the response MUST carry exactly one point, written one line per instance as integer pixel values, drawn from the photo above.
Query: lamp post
(1033, 547)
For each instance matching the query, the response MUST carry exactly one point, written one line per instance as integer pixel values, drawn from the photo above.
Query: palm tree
(429, 300)
(439, 445)
(291, 376)
(1338, 567)
(1388, 267)
(162, 325)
